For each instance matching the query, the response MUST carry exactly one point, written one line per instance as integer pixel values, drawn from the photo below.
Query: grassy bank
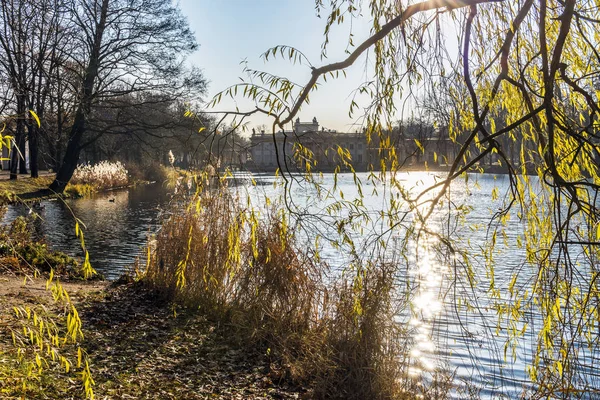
(87, 180)
(24, 185)
(34, 189)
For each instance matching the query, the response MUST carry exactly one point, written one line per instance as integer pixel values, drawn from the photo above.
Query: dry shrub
(155, 172)
(277, 299)
(367, 359)
(197, 253)
(151, 172)
(249, 275)
(278, 284)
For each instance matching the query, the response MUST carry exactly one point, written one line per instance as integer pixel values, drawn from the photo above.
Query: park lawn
(25, 185)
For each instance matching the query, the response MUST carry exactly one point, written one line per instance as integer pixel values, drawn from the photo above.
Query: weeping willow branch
(397, 22)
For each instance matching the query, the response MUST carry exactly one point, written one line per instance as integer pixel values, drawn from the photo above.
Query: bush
(197, 251)
(366, 357)
(153, 172)
(80, 189)
(19, 253)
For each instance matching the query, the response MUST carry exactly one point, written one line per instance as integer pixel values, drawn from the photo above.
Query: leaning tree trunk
(69, 163)
(64, 174)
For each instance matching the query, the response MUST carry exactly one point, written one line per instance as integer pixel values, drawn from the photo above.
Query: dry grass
(364, 341)
(102, 175)
(192, 260)
(248, 274)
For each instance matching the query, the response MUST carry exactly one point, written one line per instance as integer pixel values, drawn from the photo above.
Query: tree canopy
(80, 66)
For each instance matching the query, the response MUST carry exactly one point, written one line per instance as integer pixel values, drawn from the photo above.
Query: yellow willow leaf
(201, 129)
(66, 363)
(50, 278)
(420, 146)
(559, 367)
(34, 115)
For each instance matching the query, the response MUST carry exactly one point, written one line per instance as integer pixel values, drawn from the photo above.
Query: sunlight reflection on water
(426, 278)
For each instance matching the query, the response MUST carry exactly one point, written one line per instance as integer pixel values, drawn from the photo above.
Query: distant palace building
(365, 155)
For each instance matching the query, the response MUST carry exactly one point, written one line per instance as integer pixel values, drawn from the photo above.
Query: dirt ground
(141, 348)
(15, 288)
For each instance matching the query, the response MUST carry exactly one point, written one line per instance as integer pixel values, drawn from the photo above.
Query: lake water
(117, 224)
(443, 334)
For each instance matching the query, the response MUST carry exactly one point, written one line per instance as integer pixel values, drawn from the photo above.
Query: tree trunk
(33, 151)
(22, 144)
(69, 164)
(57, 155)
(14, 163)
(17, 159)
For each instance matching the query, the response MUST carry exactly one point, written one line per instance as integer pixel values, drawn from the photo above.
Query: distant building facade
(324, 145)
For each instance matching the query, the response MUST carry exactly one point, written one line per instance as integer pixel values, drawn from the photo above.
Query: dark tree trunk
(17, 159)
(14, 163)
(33, 152)
(58, 145)
(22, 148)
(69, 164)
(58, 155)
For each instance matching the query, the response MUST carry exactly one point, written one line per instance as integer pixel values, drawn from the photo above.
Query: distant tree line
(100, 75)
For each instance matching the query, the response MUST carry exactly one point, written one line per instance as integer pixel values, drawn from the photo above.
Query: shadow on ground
(140, 349)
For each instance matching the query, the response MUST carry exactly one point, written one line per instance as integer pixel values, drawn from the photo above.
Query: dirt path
(139, 349)
(12, 287)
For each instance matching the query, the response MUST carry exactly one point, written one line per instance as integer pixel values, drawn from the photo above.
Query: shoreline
(29, 190)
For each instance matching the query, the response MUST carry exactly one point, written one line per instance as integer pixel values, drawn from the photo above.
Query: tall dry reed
(103, 175)
(248, 272)
(197, 253)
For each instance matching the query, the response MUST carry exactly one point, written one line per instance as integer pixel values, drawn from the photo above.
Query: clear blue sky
(230, 31)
